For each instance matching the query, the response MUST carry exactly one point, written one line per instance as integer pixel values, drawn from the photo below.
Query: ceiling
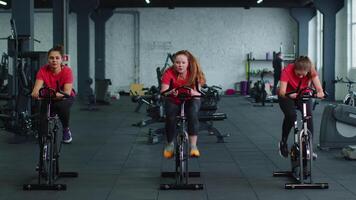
(206, 3)
(187, 3)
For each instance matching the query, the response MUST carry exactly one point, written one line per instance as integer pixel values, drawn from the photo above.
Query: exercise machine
(50, 147)
(181, 151)
(301, 153)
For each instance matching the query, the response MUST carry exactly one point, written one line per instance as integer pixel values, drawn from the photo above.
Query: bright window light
(3, 3)
(259, 1)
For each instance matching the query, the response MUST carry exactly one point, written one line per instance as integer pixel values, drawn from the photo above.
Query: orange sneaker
(194, 152)
(168, 151)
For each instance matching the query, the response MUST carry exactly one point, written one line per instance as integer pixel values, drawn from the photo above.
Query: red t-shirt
(171, 74)
(50, 79)
(288, 75)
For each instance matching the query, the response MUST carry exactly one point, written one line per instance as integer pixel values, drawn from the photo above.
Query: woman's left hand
(59, 95)
(194, 93)
(320, 94)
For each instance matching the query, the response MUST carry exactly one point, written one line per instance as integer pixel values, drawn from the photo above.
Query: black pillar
(329, 8)
(83, 10)
(22, 13)
(60, 14)
(303, 16)
(100, 17)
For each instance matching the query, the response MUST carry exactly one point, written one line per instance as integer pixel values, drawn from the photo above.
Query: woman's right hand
(174, 92)
(293, 95)
(35, 94)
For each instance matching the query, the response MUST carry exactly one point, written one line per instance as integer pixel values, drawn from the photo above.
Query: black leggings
(191, 109)
(61, 108)
(288, 106)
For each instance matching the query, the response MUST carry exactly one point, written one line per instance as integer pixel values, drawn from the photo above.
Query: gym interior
(119, 49)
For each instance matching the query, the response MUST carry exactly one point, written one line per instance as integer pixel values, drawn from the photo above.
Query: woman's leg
(172, 110)
(288, 108)
(191, 110)
(62, 108)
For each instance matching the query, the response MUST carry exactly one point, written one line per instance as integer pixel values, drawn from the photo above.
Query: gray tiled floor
(114, 160)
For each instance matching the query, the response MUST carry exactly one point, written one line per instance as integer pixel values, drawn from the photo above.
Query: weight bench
(206, 123)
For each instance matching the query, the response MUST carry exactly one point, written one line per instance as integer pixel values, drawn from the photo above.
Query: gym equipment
(160, 71)
(350, 97)
(90, 99)
(48, 168)
(208, 114)
(349, 152)
(181, 173)
(101, 91)
(154, 109)
(338, 125)
(18, 69)
(259, 92)
(4, 70)
(301, 153)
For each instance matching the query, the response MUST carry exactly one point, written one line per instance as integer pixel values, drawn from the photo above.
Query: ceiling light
(3, 3)
(259, 1)
(147, 1)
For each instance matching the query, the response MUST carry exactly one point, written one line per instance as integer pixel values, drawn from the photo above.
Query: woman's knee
(290, 116)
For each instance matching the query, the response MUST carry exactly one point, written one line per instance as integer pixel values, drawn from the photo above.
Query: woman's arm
(282, 89)
(194, 91)
(318, 87)
(36, 88)
(67, 88)
(164, 87)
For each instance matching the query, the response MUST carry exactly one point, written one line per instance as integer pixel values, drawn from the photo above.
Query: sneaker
(168, 151)
(194, 151)
(315, 156)
(67, 136)
(283, 149)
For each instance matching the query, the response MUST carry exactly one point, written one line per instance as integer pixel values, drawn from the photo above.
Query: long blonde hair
(304, 63)
(194, 68)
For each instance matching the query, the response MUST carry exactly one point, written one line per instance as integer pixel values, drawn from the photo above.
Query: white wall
(219, 37)
(120, 51)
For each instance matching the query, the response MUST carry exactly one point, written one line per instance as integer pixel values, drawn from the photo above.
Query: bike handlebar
(182, 95)
(307, 92)
(340, 80)
(50, 93)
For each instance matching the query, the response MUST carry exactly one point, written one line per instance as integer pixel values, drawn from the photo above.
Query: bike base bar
(306, 186)
(283, 174)
(44, 187)
(68, 174)
(181, 186)
(173, 174)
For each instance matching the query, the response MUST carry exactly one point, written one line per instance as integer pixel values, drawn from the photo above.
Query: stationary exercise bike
(260, 93)
(301, 153)
(48, 167)
(350, 97)
(181, 173)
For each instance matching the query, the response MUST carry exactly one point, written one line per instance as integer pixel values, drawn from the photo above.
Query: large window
(353, 33)
(319, 43)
